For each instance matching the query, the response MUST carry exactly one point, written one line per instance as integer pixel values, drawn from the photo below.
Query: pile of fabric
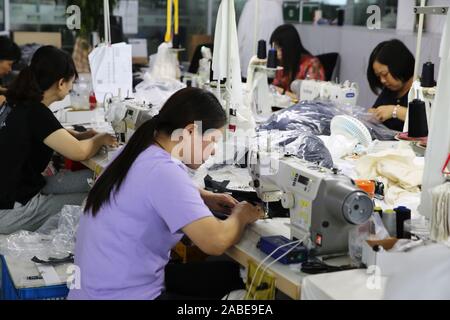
(297, 129)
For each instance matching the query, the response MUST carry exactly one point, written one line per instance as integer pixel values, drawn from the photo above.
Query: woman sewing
(390, 74)
(296, 61)
(30, 134)
(145, 201)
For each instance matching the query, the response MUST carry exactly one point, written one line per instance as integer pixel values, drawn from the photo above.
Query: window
(355, 11)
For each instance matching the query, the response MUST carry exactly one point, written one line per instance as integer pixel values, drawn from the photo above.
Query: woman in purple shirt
(145, 202)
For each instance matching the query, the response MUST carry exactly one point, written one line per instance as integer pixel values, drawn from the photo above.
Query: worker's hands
(248, 212)
(383, 113)
(86, 134)
(219, 202)
(106, 139)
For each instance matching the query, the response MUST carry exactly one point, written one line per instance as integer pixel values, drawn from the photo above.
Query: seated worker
(390, 74)
(9, 54)
(145, 201)
(29, 135)
(296, 61)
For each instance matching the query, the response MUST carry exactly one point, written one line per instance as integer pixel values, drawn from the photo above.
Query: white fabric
(440, 226)
(425, 275)
(396, 168)
(270, 16)
(345, 285)
(225, 30)
(166, 65)
(156, 91)
(439, 135)
(396, 165)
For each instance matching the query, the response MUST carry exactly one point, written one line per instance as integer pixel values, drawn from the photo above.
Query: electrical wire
(296, 243)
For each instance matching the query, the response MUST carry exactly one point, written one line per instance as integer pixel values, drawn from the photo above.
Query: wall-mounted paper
(112, 70)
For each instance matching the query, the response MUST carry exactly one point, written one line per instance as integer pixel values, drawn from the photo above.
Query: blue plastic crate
(9, 292)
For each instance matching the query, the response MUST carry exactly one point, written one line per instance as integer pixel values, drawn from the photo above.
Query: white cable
(295, 243)
(281, 257)
(276, 260)
(264, 260)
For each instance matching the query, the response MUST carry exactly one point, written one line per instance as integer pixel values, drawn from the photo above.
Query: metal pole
(419, 41)
(229, 67)
(256, 28)
(209, 18)
(7, 13)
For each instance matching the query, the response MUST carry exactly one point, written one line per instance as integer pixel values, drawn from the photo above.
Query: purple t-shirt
(122, 252)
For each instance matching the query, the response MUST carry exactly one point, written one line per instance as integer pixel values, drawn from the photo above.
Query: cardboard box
(43, 38)
(139, 51)
(387, 262)
(195, 41)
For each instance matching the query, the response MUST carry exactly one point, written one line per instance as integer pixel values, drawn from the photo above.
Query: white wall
(355, 45)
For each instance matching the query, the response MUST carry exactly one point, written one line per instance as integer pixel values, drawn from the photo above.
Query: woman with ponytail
(145, 201)
(30, 134)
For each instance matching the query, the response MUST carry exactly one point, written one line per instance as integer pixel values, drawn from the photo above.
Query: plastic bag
(156, 91)
(56, 238)
(301, 144)
(315, 117)
(356, 238)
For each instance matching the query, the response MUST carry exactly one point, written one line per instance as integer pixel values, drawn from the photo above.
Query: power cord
(295, 243)
(317, 267)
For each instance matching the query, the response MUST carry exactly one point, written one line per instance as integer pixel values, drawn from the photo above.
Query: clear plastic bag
(47, 241)
(304, 145)
(356, 237)
(315, 117)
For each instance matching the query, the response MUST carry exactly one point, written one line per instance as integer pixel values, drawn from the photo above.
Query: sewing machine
(308, 90)
(323, 203)
(127, 116)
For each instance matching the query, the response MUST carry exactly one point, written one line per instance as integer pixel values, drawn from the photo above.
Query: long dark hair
(9, 50)
(183, 108)
(397, 57)
(287, 38)
(48, 66)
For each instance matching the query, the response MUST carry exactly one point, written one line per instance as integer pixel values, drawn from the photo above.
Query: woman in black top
(29, 135)
(390, 74)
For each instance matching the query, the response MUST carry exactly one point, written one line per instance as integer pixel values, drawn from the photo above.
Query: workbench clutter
(35, 264)
(399, 169)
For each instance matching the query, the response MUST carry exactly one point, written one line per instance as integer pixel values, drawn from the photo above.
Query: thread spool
(341, 17)
(403, 214)
(418, 124)
(176, 41)
(427, 80)
(390, 222)
(262, 50)
(272, 59)
(379, 211)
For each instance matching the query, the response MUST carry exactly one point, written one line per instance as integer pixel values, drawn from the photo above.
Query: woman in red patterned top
(296, 61)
